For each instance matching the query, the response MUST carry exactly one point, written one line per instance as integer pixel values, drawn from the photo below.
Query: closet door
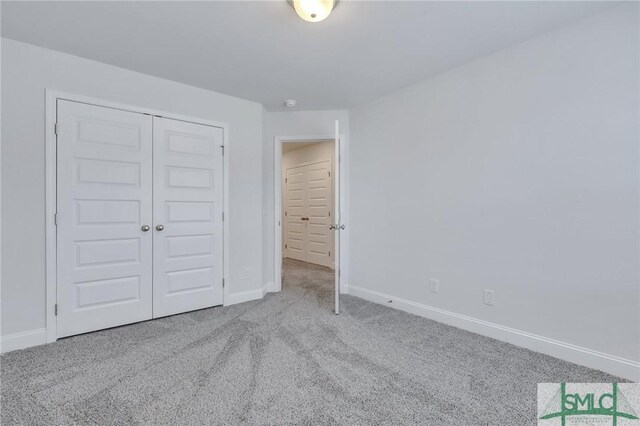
(187, 214)
(295, 213)
(307, 213)
(104, 187)
(318, 201)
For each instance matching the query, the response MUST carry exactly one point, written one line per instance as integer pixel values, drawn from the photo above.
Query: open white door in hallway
(308, 213)
(337, 226)
(104, 199)
(187, 211)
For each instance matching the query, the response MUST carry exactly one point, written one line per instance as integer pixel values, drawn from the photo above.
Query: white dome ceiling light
(313, 10)
(290, 103)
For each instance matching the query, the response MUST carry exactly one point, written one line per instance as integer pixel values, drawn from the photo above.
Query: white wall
(299, 123)
(321, 151)
(519, 173)
(26, 72)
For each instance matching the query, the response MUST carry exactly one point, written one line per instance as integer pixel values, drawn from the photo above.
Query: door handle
(304, 218)
(336, 227)
(159, 227)
(145, 228)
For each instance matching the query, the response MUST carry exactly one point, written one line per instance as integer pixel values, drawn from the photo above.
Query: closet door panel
(104, 187)
(295, 213)
(187, 200)
(318, 203)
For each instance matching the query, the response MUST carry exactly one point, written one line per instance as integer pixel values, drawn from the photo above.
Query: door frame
(341, 167)
(51, 173)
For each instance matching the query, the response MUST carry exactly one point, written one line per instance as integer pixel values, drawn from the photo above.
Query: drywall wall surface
(26, 72)
(516, 173)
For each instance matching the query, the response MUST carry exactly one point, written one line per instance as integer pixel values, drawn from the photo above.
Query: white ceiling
(263, 52)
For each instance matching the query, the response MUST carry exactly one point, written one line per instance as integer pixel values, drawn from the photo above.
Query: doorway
(308, 204)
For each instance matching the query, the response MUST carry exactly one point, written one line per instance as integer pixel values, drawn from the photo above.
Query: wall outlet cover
(488, 297)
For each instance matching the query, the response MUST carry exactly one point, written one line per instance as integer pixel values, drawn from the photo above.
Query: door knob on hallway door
(159, 227)
(145, 228)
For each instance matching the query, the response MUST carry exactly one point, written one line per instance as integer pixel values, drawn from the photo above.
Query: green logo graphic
(611, 404)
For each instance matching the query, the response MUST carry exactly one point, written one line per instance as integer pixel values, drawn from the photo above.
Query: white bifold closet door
(139, 217)
(187, 206)
(104, 197)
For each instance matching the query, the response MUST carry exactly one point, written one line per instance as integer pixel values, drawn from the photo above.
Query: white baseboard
(23, 340)
(269, 287)
(611, 364)
(244, 296)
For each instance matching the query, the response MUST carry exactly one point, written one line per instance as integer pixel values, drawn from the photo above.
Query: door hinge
(338, 273)
(329, 174)
(329, 214)
(329, 254)
(285, 213)
(286, 180)
(222, 146)
(223, 283)
(285, 246)
(223, 216)
(55, 309)
(55, 128)
(55, 219)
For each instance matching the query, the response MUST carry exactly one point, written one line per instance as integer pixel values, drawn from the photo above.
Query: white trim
(51, 97)
(277, 172)
(226, 241)
(23, 340)
(50, 211)
(611, 364)
(246, 296)
(269, 287)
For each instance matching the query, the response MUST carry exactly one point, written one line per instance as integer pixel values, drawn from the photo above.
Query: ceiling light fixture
(313, 10)
(290, 103)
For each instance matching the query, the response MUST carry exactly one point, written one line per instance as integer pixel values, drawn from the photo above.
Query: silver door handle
(336, 227)
(145, 228)
(159, 227)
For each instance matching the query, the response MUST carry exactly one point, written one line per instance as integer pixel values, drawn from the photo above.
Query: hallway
(309, 280)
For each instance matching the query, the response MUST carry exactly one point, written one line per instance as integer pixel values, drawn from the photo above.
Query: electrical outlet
(434, 285)
(488, 297)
